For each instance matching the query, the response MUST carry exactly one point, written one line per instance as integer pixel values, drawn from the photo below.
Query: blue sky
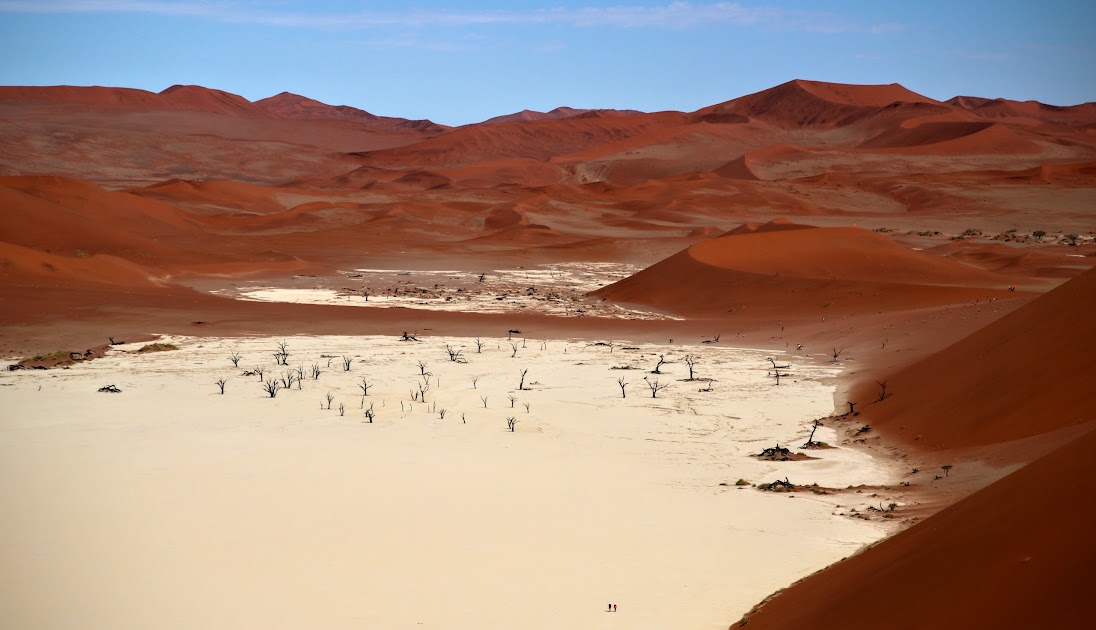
(461, 62)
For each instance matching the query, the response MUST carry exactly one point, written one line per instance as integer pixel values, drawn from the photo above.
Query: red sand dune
(953, 139)
(29, 268)
(176, 97)
(802, 272)
(776, 225)
(1008, 555)
(1022, 375)
(1013, 555)
(288, 105)
(537, 139)
(215, 196)
(799, 103)
(1027, 111)
(72, 218)
(558, 113)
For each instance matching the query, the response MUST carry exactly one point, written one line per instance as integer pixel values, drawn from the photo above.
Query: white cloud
(675, 15)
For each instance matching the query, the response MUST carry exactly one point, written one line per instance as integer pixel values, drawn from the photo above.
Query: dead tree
(836, 355)
(777, 486)
(282, 355)
(479, 345)
(346, 361)
(316, 371)
(658, 366)
(441, 414)
(512, 401)
(654, 386)
(510, 422)
(234, 357)
(259, 371)
(422, 368)
(115, 343)
(852, 408)
(622, 383)
(775, 454)
(369, 414)
(882, 390)
(515, 348)
(786, 366)
(221, 383)
(712, 340)
(521, 385)
(484, 399)
(690, 361)
(342, 409)
(810, 440)
(271, 387)
(526, 405)
(424, 387)
(364, 386)
(300, 375)
(510, 333)
(407, 337)
(456, 356)
(475, 379)
(110, 389)
(330, 398)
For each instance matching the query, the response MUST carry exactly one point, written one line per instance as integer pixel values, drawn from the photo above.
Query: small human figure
(614, 607)
(610, 609)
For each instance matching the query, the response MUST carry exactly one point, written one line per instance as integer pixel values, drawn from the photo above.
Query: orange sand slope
(803, 272)
(1008, 556)
(1020, 376)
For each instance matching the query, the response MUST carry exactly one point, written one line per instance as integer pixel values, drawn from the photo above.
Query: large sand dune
(1005, 556)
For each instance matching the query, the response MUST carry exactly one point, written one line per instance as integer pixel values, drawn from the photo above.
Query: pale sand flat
(172, 506)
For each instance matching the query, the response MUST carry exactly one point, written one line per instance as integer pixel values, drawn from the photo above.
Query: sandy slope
(1017, 377)
(1007, 556)
(964, 566)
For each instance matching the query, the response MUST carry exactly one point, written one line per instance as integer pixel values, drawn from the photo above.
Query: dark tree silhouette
(654, 386)
(271, 387)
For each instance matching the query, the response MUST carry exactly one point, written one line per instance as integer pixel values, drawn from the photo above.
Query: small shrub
(158, 347)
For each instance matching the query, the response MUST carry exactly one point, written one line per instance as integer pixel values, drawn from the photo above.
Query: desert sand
(927, 261)
(174, 505)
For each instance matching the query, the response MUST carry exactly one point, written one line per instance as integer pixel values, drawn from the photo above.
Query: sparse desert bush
(158, 347)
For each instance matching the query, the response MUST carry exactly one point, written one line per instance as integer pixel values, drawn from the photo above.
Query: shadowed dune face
(1019, 376)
